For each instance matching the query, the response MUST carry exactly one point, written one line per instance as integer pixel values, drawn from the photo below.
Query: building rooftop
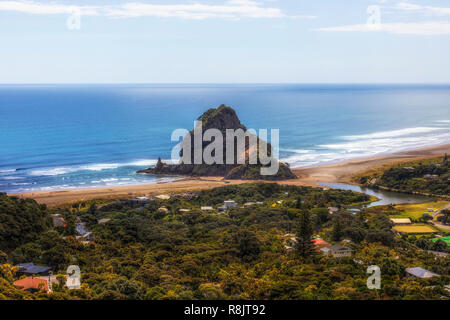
(401, 220)
(336, 247)
(32, 283)
(421, 273)
(30, 268)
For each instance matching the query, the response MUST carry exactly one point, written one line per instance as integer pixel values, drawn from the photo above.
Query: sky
(225, 41)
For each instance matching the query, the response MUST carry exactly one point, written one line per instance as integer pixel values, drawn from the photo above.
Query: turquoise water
(63, 137)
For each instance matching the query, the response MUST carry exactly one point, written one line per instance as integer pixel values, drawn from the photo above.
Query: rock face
(222, 118)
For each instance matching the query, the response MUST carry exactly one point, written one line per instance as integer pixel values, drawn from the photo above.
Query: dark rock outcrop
(222, 118)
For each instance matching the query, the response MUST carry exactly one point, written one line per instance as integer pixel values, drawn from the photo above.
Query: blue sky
(230, 41)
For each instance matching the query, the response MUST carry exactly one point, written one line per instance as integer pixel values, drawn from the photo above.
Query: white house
(400, 221)
(332, 210)
(337, 251)
(228, 204)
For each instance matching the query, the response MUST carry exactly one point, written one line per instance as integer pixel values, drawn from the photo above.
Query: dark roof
(30, 268)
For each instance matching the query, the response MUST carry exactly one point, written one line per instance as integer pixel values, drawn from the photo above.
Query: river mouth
(386, 197)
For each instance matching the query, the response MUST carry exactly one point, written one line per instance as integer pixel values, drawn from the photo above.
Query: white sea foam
(142, 163)
(8, 171)
(52, 171)
(392, 133)
(92, 167)
(12, 178)
(99, 166)
(351, 147)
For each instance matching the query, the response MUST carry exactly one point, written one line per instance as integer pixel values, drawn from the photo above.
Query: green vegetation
(416, 211)
(146, 253)
(426, 176)
(444, 239)
(21, 221)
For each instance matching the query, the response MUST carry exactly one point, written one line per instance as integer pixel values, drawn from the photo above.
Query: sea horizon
(76, 136)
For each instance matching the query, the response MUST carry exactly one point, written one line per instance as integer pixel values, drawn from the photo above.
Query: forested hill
(174, 249)
(426, 176)
(21, 221)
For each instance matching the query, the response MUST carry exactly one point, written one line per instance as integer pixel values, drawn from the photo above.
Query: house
(332, 210)
(337, 251)
(80, 228)
(320, 244)
(32, 284)
(88, 236)
(142, 200)
(228, 204)
(184, 210)
(207, 208)
(163, 210)
(31, 268)
(102, 221)
(289, 241)
(58, 220)
(401, 221)
(163, 197)
(421, 273)
(438, 254)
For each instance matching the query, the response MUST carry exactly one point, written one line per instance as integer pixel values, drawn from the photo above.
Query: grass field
(415, 211)
(446, 240)
(415, 228)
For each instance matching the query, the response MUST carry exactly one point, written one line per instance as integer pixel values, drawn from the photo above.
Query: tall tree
(305, 232)
(337, 232)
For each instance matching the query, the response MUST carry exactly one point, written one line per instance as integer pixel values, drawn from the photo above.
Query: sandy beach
(310, 176)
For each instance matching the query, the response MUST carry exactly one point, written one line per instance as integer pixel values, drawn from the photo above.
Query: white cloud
(413, 28)
(42, 8)
(232, 9)
(428, 10)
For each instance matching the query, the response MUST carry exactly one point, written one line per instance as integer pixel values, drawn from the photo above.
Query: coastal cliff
(223, 118)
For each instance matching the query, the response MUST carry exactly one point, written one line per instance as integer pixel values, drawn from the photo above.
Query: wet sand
(338, 172)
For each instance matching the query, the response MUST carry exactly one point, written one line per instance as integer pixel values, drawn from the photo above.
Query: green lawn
(445, 239)
(415, 211)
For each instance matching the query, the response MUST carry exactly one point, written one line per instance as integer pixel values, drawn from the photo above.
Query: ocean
(62, 137)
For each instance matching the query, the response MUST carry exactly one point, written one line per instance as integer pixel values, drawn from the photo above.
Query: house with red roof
(320, 244)
(32, 284)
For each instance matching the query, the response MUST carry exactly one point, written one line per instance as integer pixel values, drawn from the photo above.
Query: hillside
(430, 176)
